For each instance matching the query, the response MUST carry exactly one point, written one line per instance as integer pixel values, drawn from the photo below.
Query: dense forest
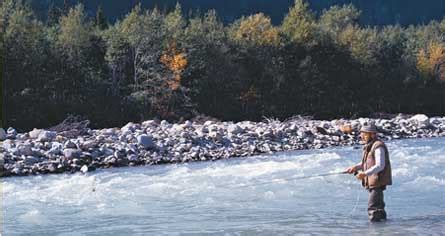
(175, 65)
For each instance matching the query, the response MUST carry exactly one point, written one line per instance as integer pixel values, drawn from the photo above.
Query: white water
(209, 197)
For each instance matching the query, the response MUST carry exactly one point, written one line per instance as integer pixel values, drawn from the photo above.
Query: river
(233, 197)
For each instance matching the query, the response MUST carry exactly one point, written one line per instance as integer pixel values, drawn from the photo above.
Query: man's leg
(376, 205)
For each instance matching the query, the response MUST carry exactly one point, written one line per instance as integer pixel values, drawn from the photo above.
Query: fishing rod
(299, 178)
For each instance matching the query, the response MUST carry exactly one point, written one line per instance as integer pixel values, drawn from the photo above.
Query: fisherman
(376, 171)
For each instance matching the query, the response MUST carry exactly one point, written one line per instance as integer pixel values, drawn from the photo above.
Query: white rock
(208, 123)
(420, 119)
(129, 127)
(84, 169)
(89, 144)
(234, 129)
(187, 124)
(35, 133)
(146, 141)
(149, 123)
(46, 136)
(11, 131)
(133, 157)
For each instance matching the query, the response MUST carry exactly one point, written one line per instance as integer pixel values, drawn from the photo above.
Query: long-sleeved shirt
(379, 154)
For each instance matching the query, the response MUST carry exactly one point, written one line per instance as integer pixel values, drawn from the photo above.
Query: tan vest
(382, 178)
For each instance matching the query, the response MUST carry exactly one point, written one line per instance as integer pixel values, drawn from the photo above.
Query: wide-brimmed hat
(369, 128)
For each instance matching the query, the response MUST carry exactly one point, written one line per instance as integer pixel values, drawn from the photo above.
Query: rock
(59, 138)
(24, 150)
(46, 136)
(209, 122)
(346, 129)
(84, 169)
(146, 141)
(11, 132)
(120, 153)
(72, 153)
(216, 136)
(321, 130)
(88, 144)
(421, 120)
(31, 160)
(234, 129)
(2, 161)
(149, 123)
(2, 134)
(187, 124)
(107, 132)
(70, 145)
(35, 133)
(129, 127)
(164, 123)
(133, 158)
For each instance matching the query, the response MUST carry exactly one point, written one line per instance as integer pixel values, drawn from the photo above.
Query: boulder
(24, 150)
(46, 136)
(11, 132)
(346, 129)
(129, 127)
(420, 120)
(2, 134)
(146, 141)
(72, 153)
(234, 129)
(35, 133)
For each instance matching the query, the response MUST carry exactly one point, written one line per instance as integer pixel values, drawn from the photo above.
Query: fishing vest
(382, 178)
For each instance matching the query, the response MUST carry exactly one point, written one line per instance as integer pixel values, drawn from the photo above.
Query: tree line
(175, 66)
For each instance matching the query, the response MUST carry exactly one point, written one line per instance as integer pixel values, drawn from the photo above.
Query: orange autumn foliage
(176, 62)
(428, 59)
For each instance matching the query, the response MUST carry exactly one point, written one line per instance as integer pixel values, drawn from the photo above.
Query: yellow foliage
(429, 58)
(257, 29)
(176, 62)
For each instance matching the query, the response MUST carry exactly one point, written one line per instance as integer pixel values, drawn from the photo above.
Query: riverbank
(153, 142)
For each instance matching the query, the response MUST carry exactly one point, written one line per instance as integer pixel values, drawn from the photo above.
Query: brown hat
(369, 128)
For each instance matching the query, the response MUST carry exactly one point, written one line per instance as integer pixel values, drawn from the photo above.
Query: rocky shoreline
(159, 142)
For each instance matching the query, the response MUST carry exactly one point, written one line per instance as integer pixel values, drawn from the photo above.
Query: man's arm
(358, 166)
(354, 168)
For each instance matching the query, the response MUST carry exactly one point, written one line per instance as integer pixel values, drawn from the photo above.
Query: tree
(174, 24)
(54, 14)
(256, 29)
(299, 24)
(337, 19)
(207, 30)
(100, 20)
(118, 57)
(428, 58)
(24, 50)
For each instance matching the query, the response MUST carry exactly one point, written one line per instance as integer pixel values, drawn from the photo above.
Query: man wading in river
(376, 173)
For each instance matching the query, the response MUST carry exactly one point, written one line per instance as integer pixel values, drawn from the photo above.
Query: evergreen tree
(54, 14)
(299, 24)
(100, 20)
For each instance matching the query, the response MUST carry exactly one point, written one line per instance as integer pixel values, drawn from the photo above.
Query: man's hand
(361, 175)
(350, 170)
